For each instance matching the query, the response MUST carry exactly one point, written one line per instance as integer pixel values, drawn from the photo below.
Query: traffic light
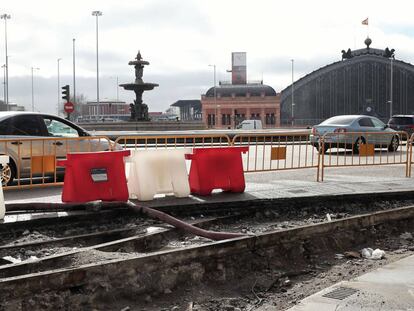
(66, 93)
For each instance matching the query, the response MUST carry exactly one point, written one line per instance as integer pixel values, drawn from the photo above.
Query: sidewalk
(270, 185)
(387, 288)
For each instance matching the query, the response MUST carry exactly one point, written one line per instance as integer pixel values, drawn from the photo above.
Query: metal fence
(32, 162)
(281, 151)
(178, 141)
(364, 149)
(410, 155)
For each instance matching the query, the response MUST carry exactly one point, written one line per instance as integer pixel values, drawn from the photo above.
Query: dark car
(402, 123)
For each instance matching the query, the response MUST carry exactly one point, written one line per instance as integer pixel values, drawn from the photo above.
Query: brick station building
(226, 105)
(92, 111)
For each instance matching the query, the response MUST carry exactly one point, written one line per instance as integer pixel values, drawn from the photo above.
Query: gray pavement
(268, 185)
(387, 288)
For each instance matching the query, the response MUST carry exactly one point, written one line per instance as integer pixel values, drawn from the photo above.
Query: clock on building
(239, 59)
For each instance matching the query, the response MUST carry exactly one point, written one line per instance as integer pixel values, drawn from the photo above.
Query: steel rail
(139, 242)
(155, 264)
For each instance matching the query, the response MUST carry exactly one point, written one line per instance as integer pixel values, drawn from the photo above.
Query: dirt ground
(261, 290)
(268, 289)
(260, 222)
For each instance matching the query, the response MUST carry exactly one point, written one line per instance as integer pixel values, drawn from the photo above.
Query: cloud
(154, 15)
(182, 37)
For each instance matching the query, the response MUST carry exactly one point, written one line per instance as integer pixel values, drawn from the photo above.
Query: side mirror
(386, 126)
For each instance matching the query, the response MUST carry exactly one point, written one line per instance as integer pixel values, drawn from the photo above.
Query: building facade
(225, 106)
(10, 107)
(189, 109)
(360, 83)
(114, 110)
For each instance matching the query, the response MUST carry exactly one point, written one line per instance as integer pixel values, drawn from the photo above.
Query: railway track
(78, 229)
(146, 256)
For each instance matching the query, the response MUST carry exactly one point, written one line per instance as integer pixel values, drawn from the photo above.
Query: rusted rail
(280, 246)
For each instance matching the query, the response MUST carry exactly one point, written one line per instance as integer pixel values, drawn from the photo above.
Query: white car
(250, 125)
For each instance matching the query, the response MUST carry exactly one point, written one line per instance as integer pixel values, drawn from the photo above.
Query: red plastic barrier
(216, 168)
(91, 176)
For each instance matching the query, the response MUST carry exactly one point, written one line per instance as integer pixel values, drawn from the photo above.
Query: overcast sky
(180, 38)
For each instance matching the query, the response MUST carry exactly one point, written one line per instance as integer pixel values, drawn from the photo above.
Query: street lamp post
(74, 76)
(97, 14)
(215, 95)
(33, 68)
(4, 83)
(58, 85)
(391, 86)
(6, 17)
(293, 94)
(217, 114)
(117, 87)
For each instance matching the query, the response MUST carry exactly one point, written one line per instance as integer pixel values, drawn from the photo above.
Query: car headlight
(116, 146)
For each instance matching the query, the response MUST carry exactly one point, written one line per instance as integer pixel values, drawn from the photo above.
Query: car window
(4, 125)
(57, 128)
(366, 122)
(25, 125)
(378, 123)
(339, 120)
(401, 120)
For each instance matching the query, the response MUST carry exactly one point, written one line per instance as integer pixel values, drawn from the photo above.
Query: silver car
(350, 131)
(22, 138)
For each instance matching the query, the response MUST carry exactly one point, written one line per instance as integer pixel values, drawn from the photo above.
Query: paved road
(230, 133)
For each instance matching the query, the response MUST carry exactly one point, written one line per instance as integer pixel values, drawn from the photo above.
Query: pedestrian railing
(32, 161)
(281, 151)
(172, 141)
(363, 149)
(410, 154)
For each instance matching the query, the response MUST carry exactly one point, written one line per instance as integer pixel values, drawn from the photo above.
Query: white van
(250, 125)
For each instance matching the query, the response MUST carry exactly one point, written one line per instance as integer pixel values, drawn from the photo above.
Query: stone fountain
(139, 110)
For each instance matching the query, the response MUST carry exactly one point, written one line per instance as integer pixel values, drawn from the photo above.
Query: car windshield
(59, 129)
(401, 120)
(340, 120)
(378, 123)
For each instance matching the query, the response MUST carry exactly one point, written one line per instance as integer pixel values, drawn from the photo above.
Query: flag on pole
(365, 21)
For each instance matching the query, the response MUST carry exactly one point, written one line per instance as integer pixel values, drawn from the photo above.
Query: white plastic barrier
(3, 161)
(160, 171)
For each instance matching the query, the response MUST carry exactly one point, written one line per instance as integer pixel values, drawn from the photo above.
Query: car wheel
(8, 173)
(360, 141)
(393, 146)
(321, 148)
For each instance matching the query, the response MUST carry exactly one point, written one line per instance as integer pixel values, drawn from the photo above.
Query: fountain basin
(135, 86)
